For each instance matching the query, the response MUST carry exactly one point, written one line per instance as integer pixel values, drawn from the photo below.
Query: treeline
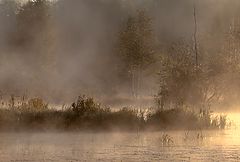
(137, 62)
(87, 115)
(190, 72)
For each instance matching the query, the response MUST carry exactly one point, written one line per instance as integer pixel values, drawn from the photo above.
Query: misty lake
(145, 146)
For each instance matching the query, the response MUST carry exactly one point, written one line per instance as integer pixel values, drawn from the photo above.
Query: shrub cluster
(86, 114)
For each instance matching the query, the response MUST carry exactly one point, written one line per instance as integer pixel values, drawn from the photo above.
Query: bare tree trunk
(133, 82)
(195, 35)
(140, 82)
(138, 89)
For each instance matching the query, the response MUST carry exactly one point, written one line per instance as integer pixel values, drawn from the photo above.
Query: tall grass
(86, 114)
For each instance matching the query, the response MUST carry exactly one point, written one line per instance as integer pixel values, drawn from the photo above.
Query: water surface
(146, 146)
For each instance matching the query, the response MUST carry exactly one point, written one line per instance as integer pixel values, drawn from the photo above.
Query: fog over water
(70, 51)
(178, 60)
(148, 146)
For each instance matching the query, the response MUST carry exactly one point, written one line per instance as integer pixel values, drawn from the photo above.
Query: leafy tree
(182, 83)
(136, 48)
(230, 57)
(8, 9)
(35, 33)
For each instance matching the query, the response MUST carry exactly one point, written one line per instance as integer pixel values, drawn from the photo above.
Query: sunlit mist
(119, 80)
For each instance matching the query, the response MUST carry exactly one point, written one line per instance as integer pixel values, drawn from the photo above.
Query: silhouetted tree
(183, 84)
(35, 33)
(8, 10)
(136, 48)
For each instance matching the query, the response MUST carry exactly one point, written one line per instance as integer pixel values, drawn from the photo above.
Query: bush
(86, 114)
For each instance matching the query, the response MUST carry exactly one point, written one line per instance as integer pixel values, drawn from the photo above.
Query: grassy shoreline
(86, 115)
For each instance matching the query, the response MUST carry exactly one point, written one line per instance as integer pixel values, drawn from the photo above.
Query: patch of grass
(166, 140)
(86, 114)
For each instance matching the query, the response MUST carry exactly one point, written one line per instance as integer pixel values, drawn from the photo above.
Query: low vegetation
(86, 114)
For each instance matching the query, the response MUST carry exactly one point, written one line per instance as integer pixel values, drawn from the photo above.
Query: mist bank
(122, 52)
